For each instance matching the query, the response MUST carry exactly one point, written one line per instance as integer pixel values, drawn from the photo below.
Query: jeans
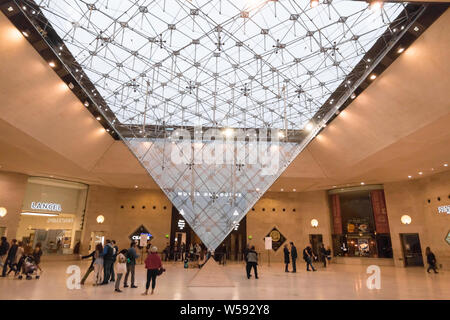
(86, 275)
(130, 268)
(294, 264)
(6, 265)
(432, 267)
(287, 267)
(151, 276)
(113, 276)
(249, 267)
(107, 264)
(309, 263)
(119, 277)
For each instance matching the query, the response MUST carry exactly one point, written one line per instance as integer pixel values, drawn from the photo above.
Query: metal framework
(154, 66)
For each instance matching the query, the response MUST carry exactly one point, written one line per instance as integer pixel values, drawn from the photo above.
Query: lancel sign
(55, 207)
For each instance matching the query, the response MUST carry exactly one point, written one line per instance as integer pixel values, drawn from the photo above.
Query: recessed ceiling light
(294, 190)
(421, 173)
(400, 50)
(25, 34)
(136, 187)
(353, 96)
(86, 103)
(409, 177)
(362, 183)
(52, 64)
(282, 190)
(98, 118)
(373, 77)
(416, 28)
(445, 164)
(10, 9)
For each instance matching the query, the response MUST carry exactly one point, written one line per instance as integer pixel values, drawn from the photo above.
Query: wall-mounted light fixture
(3, 212)
(314, 223)
(406, 219)
(100, 219)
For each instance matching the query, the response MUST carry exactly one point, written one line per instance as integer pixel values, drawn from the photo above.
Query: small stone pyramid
(211, 275)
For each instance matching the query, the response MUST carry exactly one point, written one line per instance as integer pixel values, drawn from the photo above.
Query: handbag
(161, 271)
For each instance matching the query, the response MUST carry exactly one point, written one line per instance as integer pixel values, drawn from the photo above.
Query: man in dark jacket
(246, 250)
(11, 256)
(286, 258)
(108, 261)
(91, 267)
(4, 247)
(294, 256)
(131, 265)
(116, 252)
(308, 257)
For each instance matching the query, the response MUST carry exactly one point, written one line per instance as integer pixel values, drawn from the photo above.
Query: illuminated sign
(136, 235)
(60, 220)
(181, 224)
(444, 209)
(56, 207)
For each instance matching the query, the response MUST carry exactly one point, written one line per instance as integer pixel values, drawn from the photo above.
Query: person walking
(286, 258)
(4, 247)
(116, 252)
(16, 264)
(308, 256)
(431, 259)
(294, 256)
(91, 267)
(98, 264)
(152, 264)
(252, 262)
(37, 254)
(11, 255)
(131, 265)
(328, 255)
(108, 259)
(121, 268)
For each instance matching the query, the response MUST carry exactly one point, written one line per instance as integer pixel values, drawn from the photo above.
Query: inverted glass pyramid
(158, 71)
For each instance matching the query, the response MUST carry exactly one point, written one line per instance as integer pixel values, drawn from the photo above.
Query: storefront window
(358, 215)
(52, 214)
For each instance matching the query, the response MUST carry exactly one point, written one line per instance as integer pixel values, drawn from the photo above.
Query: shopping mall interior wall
(12, 193)
(293, 225)
(125, 210)
(419, 199)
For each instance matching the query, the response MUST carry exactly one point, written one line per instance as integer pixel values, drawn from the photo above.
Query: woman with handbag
(154, 267)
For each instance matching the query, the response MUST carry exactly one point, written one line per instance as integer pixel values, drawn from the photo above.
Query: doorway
(412, 251)
(96, 238)
(316, 241)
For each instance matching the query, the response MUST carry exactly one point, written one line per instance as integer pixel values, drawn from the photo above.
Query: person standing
(11, 255)
(323, 255)
(252, 262)
(108, 260)
(308, 256)
(328, 255)
(294, 256)
(91, 267)
(98, 264)
(4, 247)
(286, 258)
(131, 265)
(121, 268)
(166, 252)
(152, 264)
(116, 252)
(16, 264)
(245, 252)
(431, 259)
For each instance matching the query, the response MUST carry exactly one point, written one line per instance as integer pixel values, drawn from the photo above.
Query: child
(186, 263)
(121, 268)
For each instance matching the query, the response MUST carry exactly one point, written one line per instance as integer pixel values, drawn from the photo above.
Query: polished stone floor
(335, 282)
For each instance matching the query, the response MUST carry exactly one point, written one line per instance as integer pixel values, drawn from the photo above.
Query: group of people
(182, 252)
(12, 254)
(111, 265)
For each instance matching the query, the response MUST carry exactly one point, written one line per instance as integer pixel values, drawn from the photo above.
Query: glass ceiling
(217, 63)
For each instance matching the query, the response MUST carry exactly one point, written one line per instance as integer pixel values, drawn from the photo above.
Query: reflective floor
(335, 282)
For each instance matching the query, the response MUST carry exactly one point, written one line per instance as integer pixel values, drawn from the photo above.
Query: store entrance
(412, 251)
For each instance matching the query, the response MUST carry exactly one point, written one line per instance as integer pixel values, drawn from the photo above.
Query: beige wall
(120, 223)
(411, 198)
(295, 226)
(12, 193)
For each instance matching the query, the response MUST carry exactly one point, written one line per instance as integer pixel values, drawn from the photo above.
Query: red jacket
(153, 261)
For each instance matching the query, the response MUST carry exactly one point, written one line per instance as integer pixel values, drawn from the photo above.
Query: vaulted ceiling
(397, 127)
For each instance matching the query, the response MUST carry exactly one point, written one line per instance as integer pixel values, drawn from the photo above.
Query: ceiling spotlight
(375, 5)
(400, 50)
(280, 135)
(416, 29)
(353, 96)
(445, 164)
(281, 189)
(421, 173)
(294, 190)
(362, 183)
(309, 127)
(86, 103)
(71, 86)
(409, 177)
(314, 3)
(52, 64)
(10, 9)
(26, 35)
(136, 187)
(373, 77)
(228, 132)
(98, 118)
